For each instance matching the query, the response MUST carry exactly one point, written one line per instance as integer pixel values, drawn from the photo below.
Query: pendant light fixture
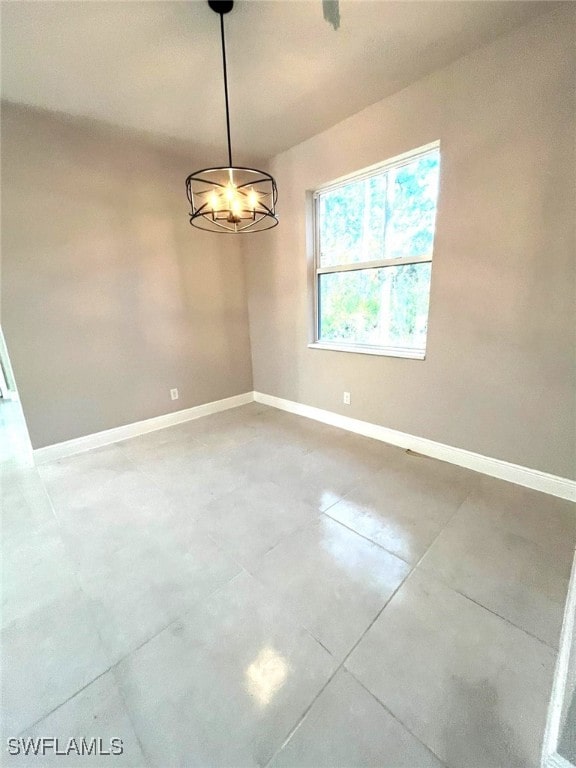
(231, 198)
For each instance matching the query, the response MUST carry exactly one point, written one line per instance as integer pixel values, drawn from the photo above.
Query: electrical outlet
(174, 394)
(346, 398)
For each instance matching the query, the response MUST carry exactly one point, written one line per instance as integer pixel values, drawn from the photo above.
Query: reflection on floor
(254, 589)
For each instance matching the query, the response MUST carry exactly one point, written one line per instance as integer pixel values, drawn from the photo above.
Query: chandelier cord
(231, 199)
(226, 89)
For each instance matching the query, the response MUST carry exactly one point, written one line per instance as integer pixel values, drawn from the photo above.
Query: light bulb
(230, 192)
(236, 206)
(252, 199)
(214, 201)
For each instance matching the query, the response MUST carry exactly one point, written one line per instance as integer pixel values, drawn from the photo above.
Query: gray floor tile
(467, 683)
(226, 429)
(543, 519)
(194, 480)
(360, 452)
(151, 529)
(34, 565)
(130, 513)
(318, 479)
(404, 506)
(335, 461)
(162, 446)
(334, 580)
(138, 557)
(224, 685)
(348, 727)
(295, 430)
(24, 504)
(34, 571)
(97, 712)
(523, 580)
(47, 657)
(257, 457)
(136, 592)
(84, 479)
(251, 520)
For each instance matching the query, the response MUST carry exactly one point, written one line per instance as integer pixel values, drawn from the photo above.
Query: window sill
(408, 354)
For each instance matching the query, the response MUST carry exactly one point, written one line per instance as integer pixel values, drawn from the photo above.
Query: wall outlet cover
(174, 394)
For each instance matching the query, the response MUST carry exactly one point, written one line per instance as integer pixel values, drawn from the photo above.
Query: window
(374, 236)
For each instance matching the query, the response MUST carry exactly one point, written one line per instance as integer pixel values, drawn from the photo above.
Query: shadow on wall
(110, 299)
(277, 272)
(213, 291)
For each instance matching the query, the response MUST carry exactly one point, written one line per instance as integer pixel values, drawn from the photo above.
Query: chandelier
(231, 198)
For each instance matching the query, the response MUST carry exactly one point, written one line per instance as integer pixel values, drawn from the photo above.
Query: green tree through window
(373, 255)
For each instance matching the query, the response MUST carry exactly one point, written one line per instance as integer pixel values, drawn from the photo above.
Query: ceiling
(155, 66)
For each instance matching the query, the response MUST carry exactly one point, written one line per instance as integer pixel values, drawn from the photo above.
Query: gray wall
(109, 297)
(499, 377)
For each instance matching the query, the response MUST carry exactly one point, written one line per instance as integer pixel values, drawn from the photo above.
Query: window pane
(386, 307)
(387, 216)
(411, 207)
(352, 222)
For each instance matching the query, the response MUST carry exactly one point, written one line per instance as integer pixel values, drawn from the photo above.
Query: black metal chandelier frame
(231, 199)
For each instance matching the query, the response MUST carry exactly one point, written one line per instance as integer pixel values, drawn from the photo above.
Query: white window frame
(367, 349)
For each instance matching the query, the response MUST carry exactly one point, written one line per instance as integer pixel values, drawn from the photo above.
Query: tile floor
(256, 589)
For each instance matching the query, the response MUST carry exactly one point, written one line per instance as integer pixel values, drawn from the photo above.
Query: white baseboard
(98, 439)
(514, 473)
(504, 470)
